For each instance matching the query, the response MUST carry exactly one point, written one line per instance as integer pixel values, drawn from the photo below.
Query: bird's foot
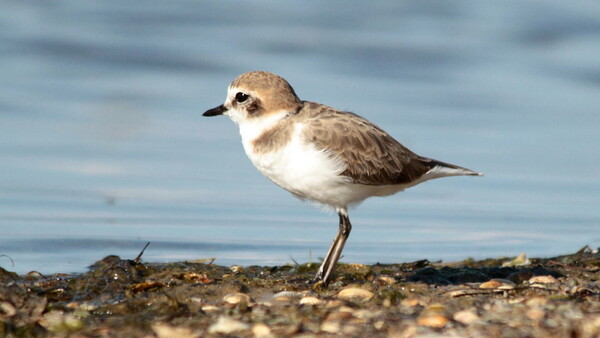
(318, 281)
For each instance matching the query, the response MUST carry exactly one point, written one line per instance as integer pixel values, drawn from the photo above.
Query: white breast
(308, 172)
(302, 169)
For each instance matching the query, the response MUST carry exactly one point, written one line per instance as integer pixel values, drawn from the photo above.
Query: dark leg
(333, 255)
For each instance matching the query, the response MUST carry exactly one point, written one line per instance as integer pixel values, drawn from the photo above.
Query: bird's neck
(252, 129)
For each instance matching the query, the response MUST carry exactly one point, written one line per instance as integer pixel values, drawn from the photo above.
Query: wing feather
(370, 155)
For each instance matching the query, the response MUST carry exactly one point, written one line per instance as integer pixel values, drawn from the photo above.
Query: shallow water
(103, 147)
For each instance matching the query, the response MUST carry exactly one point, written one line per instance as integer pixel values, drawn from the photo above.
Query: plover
(322, 154)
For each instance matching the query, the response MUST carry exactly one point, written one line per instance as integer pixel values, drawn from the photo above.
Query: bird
(318, 153)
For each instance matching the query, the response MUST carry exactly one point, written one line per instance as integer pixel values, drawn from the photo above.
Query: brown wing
(371, 155)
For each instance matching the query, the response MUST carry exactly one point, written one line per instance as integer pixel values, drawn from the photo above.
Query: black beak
(215, 111)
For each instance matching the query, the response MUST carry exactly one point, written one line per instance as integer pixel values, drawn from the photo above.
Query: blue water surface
(103, 147)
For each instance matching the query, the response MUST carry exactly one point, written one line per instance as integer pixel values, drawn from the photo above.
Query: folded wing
(371, 156)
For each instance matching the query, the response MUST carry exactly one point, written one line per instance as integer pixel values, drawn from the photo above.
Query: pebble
(85, 306)
(287, 296)
(540, 286)
(236, 269)
(410, 302)
(334, 304)
(226, 325)
(342, 314)
(433, 316)
(32, 275)
(543, 280)
(7, 309)
(515, 300)
(331, 326)
(168, 331)
(360, 268)
(236, 298)
(536, 302)
(458, 293)
(57, 321)
(354, 293)
(535, 314)
(310, 300)
(384, 280)
(409, 331)
(364, 314)
(261, 330)
(498, 283)
(350, 330)
(210, 308)
(579, 290)
(436, 307)
(466, 316)
(347, 309)
(434, 320)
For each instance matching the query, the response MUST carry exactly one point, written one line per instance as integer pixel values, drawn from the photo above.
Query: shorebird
(322, 154)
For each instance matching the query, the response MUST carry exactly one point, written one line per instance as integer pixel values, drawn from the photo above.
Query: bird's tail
(443, 169)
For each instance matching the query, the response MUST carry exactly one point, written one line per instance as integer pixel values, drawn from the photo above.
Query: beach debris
(10, 259)
(144, 286)
(139, 256)
(556, 297)
(195, 277)
(519, 261)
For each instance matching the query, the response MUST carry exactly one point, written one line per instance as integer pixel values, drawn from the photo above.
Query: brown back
(372, 157)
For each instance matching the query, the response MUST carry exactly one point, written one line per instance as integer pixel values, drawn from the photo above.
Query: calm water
(103, 147)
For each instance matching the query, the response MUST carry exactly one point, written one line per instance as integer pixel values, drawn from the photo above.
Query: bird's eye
(241, 97)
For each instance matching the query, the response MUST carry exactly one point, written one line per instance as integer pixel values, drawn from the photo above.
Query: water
(103, 147)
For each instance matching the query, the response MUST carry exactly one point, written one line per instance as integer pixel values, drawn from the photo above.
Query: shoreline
(557, 296)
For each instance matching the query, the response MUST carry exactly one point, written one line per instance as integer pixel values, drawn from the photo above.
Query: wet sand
(504, 297)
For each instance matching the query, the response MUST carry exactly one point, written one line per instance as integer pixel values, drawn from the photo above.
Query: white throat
(251, 129)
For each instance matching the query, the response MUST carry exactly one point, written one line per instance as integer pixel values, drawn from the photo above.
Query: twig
(139, 257)
(11, 261)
